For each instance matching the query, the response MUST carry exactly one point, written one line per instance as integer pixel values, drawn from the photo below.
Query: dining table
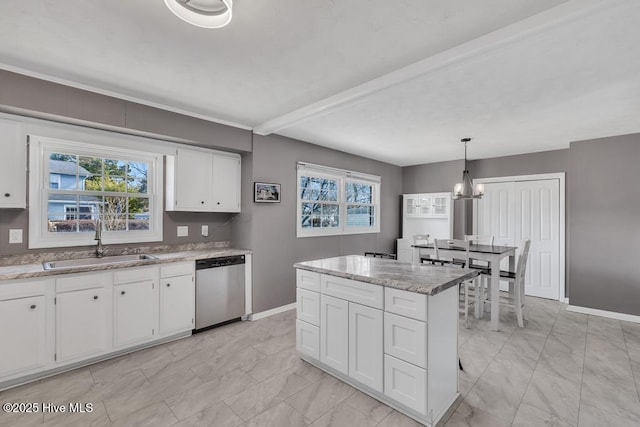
(492, 254)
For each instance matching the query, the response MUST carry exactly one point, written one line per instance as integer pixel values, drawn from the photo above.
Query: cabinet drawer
(177, 269)
(404, 303)
(308, 280)
(83, 281)
(138, 274)
(405, 383)
(351, 290)
(308, 339)
(405, 339)
(308, 307)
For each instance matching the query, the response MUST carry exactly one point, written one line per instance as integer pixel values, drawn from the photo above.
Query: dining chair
(479, 239)
(422, 239)
(516, 281)
(467, 286)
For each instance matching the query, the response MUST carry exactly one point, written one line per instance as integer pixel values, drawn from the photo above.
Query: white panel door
(538, 219)
(177, 304)
(194, 174)
(496, 216)
(135, 313)
(365, 345)
(23, 329)
(226, 183)
(82, 324)
(334, 333)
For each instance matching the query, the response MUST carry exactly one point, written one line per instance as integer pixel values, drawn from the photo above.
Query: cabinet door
(307, 339)
(365, 345)
(82, 324)
(441, 206)
(13, 166)
(177, 304)
(334, 336)
(411, 205)
(22, 328)
(193, 175)
(226, 183)
(134, 311)
(405, 383)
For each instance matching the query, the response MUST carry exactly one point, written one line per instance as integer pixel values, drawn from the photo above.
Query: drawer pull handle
(95, 297)
(168, 285)
(33, 307)
(122, 293)
(7, 194)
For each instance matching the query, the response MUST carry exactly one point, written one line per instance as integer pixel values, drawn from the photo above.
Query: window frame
(41, 147)
(342, 177)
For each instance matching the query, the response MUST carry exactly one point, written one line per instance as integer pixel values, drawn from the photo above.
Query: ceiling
(398, 81)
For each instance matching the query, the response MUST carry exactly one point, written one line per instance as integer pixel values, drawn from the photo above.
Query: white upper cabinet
(13, 165)
(203, 181)
(428, 205)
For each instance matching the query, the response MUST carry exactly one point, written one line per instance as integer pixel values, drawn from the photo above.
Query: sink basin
(84, 262)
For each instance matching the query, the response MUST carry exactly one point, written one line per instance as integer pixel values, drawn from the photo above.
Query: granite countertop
(34, 268)
(419, 278)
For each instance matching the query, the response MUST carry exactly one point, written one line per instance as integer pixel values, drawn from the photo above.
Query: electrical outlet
(15, 235)
(205, 230)
(183, 230)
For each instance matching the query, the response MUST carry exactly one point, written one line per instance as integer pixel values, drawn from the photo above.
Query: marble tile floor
(562, 369)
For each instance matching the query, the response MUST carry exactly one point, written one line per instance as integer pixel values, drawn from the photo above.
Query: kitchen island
(388, 328)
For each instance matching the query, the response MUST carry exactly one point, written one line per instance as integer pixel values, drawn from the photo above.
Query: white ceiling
(398, 81)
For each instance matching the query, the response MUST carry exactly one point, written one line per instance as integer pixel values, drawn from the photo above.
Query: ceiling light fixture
(202, 13)
(464, 189)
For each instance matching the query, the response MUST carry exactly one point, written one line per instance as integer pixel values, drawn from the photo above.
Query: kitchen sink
(84, 262)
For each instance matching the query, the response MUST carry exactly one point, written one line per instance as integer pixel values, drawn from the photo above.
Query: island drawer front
(405, 383)
(354, 291)
(405, 339)
(308, 339)
(404, 303)
(308, 280)
(308, 307)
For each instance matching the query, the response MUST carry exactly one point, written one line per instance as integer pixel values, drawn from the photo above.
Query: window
(72, 185)
(335, 201)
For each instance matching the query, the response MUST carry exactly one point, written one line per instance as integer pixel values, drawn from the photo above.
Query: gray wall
(273, 226)
(604, 224)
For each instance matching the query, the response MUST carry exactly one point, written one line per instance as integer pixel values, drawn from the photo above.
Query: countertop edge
(395, 284)
(37, 270)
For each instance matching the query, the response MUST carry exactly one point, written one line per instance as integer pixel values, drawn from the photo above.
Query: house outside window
(75, 184)
(335, 201)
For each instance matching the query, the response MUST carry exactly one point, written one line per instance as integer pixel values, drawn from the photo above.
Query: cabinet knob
(122, 293)
(168, 285)
(218, 202)
(7, 194)
(202, 202)
(95, 297)
(33, 307)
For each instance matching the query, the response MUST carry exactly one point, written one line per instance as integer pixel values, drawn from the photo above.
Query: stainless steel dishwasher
(219, 290)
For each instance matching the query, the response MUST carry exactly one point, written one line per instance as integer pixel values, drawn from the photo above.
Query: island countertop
(420, 278)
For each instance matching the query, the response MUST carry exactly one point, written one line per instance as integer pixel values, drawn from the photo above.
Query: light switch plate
(15, 235)
(183, 230)
(205, 230)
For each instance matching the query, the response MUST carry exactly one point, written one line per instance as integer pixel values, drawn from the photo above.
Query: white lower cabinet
(405, 339)
(134, 310)
(405, 383)
(82, 323)
(23, 332)
(177, 304)
(365, 345)
(308, 339)
(334, 333)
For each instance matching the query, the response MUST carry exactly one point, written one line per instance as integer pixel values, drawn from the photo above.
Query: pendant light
(202, 13)
(464, 189)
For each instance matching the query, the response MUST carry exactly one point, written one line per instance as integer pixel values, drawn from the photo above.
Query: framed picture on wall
(266, 192)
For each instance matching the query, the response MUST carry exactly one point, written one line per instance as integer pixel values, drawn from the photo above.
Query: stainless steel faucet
(99, 249)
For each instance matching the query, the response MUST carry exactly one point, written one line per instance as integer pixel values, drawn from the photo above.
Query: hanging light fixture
(202, 13)
(464, 189)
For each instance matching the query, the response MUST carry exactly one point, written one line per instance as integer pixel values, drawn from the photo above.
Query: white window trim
(40, 237)
(342, 176)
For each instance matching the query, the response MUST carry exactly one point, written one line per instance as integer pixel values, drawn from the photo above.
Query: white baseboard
(566, 300)
(281, 309)
(604, 313)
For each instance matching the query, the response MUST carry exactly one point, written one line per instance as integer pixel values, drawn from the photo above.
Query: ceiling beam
(559, 15)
